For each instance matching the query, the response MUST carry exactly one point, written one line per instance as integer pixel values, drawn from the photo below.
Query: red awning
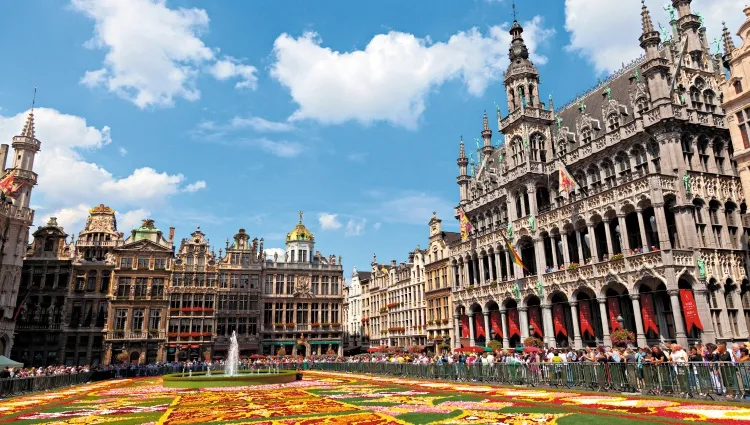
(172, 345)
(184, 346)
(194, 346)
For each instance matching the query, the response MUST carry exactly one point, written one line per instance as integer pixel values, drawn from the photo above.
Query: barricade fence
(15, 386)
(690, 380)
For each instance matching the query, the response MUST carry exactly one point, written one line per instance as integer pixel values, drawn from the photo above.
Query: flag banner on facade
(566, 181)
(20, 306)
(513, 328)
(479, 326)
(690, 309)
(465, 225)
(535, 320)
(513, 253)
(464, 326)
(614, 310)
(584, 316)
(496, 323)
(558, 317)
(9, 186)
(647, 312)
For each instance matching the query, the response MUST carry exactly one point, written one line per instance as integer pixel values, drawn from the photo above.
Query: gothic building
(47, 268)
(239, 294)
(138, 298)
(15, 219)
(87, 304)
(649, 240)
(302, 299)
(192, 299)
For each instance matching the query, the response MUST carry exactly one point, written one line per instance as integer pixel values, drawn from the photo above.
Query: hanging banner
(614, 310)
(558, 319)
(584, 316)
(690, 309)
(479, 325)
(513, 328)
(535, 320)
(464, 326)
(496, 324)
(647, 312)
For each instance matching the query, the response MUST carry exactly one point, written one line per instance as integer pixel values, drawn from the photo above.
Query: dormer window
(49, 244)
(613, 122)
(708, 98)
(586, 135)
(737, 87)
(641, 105)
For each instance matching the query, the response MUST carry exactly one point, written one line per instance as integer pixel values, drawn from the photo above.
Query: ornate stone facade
(438, 291)
(302, 299)
(45, 282)
(653, 224)
(353, 303)
(15, 219)
(136, 327)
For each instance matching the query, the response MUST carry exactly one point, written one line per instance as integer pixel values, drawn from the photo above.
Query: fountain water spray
(233, 358)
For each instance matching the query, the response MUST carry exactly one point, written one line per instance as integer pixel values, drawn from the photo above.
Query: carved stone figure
(109, 258)
(701, 268)
(509, 230)
(687, 181)
(275, 257)
(532, 223)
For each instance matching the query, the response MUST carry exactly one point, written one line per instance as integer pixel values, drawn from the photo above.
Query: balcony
(38, 327)
(138, 335)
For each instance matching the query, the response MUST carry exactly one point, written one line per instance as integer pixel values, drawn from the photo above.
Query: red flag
(496, 323)
(479, 325)
(558, 317)
(584, 316)
(513, 327)
(614, 310)
(566, 183)
(465, 224)
(513, 253)
(535, 319)
(690, 309)
(647, 312)
(464, 326)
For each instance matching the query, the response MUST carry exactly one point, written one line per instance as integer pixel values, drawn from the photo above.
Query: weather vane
(514, 10)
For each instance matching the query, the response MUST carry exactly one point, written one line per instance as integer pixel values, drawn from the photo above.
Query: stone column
(504, 326)
(498, 267)
(566, 254)
(523, 317)
(548, 325)
(475, 268)
(641, 224)
(457, 332)
(490, 263)
(608, 233)
(639, 331)
(509, 269)
(482, 277)
(553, 244)
(604, 319)
(592, 242)
(487, 327)
(472, 342)
(581, 260)
(661, 226)
(679, 321)
(624, 242)
(701, 303)
(577, 343)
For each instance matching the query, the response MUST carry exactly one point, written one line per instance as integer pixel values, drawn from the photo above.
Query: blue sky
(230, 114)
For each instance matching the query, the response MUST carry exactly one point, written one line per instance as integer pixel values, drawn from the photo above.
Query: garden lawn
(331, 399)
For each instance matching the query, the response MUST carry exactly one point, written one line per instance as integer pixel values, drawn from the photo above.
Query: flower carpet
(335, 399)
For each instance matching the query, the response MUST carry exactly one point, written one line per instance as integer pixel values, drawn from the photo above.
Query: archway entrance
(135, 357)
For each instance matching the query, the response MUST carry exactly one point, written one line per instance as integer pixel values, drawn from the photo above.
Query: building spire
(28, 128)
(648, 26)
(728, 42)
(485, 123)
(461, 150)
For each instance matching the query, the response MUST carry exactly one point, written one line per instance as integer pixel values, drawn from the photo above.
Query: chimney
(393, 263)
(171, 234)
(3, 155)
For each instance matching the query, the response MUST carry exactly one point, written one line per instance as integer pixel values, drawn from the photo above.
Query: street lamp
(620, 320)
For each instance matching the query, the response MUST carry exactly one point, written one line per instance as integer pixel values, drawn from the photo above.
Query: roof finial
(646, 22)
(28, 128)
(728, 42)
(33, 100)
(485, 122)
(300, 216)
(514, 12)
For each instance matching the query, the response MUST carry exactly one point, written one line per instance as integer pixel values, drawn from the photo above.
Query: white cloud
(122, 151)
(329, 221)
(606, 32)
(69, 185)
(390, 79)
(131, 219)
(280, 148)
(355, 227)
(261, 124)
(280, 251)
(413, 208)
(231, 68)
(74, 218)
(154, 53)
(194, 187)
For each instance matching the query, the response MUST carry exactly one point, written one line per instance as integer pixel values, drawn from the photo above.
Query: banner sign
(513, 327)
(614, 310)
(584, 316)
(464, 326)
(535, 319)
(647, 312)
(558, 318)
(496, 323)
(690, 309)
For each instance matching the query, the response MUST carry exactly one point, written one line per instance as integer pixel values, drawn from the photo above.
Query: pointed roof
(646, 23)
(728, 41)
(28, 128)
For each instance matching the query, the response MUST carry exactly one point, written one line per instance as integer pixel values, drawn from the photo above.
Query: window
(252, 326)
(268, 288)
(289, 284)
(126, 263)
(613, 122)
(708, 99)
(254, 279)
(143, 263)
(289, 317)
(609, 172)
(244, 281)
(641, 161)
(154, 320)
(224, 280)
(314, 313)
(641, 105)
(234, 281)
(123, 287)
(743, 119)
(562, 148)
(49, 243)
(324, 313)
(279, 284)
(737, 87)
(586, 135)
(160, 263)
(140, 286)
(91, 282)
(315, 286)
(334, 313)
(302, 309)
(623, 163)
(324, 285)
(121, 315)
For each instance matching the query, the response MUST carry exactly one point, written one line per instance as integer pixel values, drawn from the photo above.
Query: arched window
(623, 163)
(737, 87)
(562, 147)
(708, 98)
(594, 177)
(585, 135)
(639, 156)
(695, 98)
(537, 147)
(580, 177)
(719, 153)
(49, 244)
(641, 105)
(613, 122)
(703, 151)
(609, 172)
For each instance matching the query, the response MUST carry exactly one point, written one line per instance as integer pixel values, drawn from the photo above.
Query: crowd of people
(29, 372)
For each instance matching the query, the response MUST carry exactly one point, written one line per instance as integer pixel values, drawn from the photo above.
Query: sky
(234, 114)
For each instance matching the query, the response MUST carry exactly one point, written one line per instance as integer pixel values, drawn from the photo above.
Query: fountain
(233, 358)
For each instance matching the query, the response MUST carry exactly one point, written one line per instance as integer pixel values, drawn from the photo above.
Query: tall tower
(655, 68)
(463, 177)
(26, 146)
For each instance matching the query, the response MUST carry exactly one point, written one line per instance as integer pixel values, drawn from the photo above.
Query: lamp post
(621, 321)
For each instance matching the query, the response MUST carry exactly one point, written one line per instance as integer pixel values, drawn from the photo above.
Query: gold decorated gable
(300, 233)
(101, 209)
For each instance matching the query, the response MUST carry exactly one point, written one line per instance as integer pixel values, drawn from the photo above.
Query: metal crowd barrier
(15, 386)
(690, 380)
